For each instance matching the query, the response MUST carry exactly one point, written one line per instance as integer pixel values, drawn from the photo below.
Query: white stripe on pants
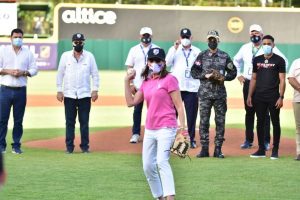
(156, 155)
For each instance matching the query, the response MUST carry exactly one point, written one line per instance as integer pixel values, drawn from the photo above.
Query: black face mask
(212, 45)
(255, 38)
(146, 39)
(78, 47)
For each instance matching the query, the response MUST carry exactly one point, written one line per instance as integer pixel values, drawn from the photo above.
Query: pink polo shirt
(161, 109)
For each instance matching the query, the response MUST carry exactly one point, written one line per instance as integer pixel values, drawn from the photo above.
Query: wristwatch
(281, 97)
(26, 73)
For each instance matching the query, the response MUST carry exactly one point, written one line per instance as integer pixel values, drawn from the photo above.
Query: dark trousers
(261, 108)
(83, 107)
(220, 108)
(15, 98)
(137, 118)
(250, 115)
(190, 100)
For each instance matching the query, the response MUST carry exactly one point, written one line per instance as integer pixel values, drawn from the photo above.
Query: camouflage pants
(220, 108)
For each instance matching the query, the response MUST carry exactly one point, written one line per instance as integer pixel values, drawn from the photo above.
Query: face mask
(155, 68)
(185, 42)
(255, 38)
(213, 45)
(267, 49)
(17, 42)
(146, 39)
(78, 48)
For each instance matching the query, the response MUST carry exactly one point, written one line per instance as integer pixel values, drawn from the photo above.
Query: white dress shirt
(244, 58)
(295, 73)
(137, 58)
(22, 60)
(181, 62)
(73, 77)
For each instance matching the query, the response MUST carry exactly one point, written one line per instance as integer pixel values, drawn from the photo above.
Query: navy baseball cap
(78, 36)
(156, 53)
(185, 32)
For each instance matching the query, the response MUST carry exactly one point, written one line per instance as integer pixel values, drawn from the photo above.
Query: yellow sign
(235, 25)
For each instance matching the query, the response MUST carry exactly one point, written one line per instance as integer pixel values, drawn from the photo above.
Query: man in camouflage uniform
(212, 94)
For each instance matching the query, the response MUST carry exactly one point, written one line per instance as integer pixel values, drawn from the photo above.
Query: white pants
(156, 155)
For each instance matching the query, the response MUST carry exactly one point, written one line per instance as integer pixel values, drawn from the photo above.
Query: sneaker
(274, 154)
(69, 151)
(2, 150)
(246, 145)
(267, 146)
(258, 154)
(134, 138)
(193, 145)
(203, 153)
(17, 151)
(297, 157)
(85, 151)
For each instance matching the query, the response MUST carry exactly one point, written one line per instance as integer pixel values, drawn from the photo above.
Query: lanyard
(187, 56)
(255, 52)
(145, 54)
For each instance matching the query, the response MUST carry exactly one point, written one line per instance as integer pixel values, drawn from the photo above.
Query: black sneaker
(203, 153)
(85, 151)
(68, 151)
(258, 154)
(218, 153)
(17, 150)
(274, 155)
(246, 145)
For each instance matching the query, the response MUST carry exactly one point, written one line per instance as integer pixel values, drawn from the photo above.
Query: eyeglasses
(157, 60)
(77, 42)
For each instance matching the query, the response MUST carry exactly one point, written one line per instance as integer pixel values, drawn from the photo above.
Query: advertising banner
(8, 17)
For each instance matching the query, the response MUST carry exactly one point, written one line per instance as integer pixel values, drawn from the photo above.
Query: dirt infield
(117, 140)
(50, 100)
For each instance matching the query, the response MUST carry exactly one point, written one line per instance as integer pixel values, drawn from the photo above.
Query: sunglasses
(157, 60)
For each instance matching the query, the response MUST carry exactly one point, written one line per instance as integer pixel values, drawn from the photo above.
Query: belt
(12, 88)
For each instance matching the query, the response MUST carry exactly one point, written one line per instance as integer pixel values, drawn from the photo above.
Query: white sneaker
(134, 138)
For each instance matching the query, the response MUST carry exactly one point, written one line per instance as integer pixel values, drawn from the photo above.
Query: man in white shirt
(294, 80)
(16, 64)
(137, 59)
(181, 58)
(76, 68)
(243, 62)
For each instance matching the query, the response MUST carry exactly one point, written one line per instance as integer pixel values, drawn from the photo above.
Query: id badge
(187, 74)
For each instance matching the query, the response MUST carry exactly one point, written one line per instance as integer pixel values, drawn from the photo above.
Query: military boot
(203, 153)
(218, 152)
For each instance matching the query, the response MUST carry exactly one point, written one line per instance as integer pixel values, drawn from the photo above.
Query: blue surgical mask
(267, 49)
(156, 68)
(17, 42)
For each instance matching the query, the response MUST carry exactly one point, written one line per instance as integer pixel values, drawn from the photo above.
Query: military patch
(230, 66)
(198, 63)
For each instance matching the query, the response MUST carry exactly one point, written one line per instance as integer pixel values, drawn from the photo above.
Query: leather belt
(12, 88)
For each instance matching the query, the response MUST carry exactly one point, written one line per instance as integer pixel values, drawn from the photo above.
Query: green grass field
(52, 175)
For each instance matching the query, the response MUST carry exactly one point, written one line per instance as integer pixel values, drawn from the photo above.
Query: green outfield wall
(112, 54)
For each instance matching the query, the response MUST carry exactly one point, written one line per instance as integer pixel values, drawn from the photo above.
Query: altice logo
(88, 16)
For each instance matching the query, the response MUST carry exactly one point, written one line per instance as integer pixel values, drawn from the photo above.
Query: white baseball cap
(145, 30)
(255, 27)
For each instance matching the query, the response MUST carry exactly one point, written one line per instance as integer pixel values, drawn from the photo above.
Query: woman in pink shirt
(161, 92)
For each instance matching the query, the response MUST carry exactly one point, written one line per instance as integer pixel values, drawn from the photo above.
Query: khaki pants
(296, 106)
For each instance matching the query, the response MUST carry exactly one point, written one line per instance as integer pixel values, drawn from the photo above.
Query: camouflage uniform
(212, 94)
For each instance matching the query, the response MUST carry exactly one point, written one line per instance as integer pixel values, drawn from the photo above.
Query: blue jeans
(137, 118)
(15, 98)
(83, 106)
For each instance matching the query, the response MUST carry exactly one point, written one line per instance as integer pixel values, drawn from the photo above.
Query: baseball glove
(216, 77)
(181, 144)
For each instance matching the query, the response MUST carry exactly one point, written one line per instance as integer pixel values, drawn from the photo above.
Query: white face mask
(185, 42)
(155, 67)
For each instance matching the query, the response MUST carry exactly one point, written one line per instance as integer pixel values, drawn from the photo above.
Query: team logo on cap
(184, 31)
(78, 35)
(156, 51)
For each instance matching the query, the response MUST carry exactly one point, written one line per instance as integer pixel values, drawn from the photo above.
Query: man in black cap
(212, 93)
(73, 87)
(181, 58)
